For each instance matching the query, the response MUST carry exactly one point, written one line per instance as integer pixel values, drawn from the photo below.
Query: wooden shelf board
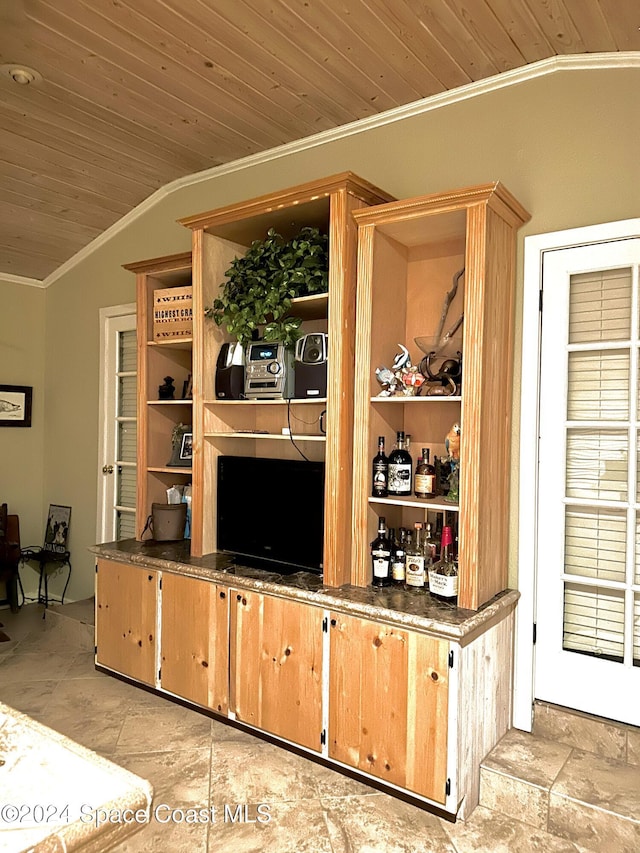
(293, 402)
(432, 399)
(169, 469)
(313, 307)
(178, 343)
(420, 503)
(270, 436)
(188, 402)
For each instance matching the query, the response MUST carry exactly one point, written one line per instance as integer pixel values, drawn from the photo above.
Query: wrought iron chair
(53, 553)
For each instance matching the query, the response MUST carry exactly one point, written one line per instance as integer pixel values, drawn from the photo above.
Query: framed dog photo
(15, 405)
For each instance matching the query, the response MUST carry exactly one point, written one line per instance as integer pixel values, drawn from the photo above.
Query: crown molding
(20, 279)
(543, 68)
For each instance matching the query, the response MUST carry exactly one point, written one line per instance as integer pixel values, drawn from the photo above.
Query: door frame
(106, 314)
(535, 247)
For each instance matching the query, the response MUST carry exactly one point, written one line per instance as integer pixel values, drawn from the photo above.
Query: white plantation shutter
(601, 453)
(125, 493)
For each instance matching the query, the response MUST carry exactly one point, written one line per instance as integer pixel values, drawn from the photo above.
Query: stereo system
(311, 366)
(268, 372)
(265, 370)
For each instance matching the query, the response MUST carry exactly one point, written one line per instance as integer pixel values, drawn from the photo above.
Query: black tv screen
(271, 512)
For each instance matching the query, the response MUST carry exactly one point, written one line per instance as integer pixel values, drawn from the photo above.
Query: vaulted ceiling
(129, 95)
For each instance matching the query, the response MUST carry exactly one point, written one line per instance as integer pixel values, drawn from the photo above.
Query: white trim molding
(578, 62)
(5, 278)
(535, 248)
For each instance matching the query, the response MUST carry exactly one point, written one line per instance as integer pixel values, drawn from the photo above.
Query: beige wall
(564, 144)
(22, 346)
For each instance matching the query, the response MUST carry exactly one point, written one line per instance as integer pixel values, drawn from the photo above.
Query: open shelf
(271, 436)
(451, 398)
(169, 469)
(294, 401)
(437, 503)
(179, 343)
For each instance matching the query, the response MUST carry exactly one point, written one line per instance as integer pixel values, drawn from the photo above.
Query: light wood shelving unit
(224, 427)
(408, 253)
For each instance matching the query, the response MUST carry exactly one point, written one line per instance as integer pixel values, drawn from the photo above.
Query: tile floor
(194, 762)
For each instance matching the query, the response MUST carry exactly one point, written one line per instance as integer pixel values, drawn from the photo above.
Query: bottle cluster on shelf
(394, 475)
(419, 560)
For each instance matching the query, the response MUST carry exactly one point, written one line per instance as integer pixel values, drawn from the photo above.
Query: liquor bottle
(398, 554)
(414, 560)
(380, 471)
(430, 546)
(381, 556)
(407, 442)
(400, 470)
(443, 577)
(424, 484)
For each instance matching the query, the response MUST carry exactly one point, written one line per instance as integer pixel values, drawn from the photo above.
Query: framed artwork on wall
(15, 405)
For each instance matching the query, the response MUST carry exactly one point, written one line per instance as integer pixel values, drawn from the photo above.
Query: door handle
(107, 469)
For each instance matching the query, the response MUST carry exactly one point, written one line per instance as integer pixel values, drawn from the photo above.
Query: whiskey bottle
(380, 471)
(381, 556)
(414, 560)
(424, 485)
(398, 554)
(400, 469)
(443, 577)
(430, 546)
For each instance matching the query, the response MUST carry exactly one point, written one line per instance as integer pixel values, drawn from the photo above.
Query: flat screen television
(271, 512)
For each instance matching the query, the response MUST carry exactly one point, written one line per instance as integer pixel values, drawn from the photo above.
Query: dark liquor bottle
(443, 577)
(414, 560)
(398, 558)
(381, 556)
(424, 484)
(380, 471)
(400, 469)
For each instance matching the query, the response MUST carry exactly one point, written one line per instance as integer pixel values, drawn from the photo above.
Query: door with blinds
(117, 474)
(587, 653)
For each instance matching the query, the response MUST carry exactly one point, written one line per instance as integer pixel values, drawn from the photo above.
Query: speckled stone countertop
(58, 796)
(415, 610)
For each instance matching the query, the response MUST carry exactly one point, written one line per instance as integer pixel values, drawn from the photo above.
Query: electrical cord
(291, 439)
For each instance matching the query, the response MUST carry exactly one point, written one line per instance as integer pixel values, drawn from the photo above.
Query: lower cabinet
(389, 703)
(194, 644)
(126, 616)
(276, 666)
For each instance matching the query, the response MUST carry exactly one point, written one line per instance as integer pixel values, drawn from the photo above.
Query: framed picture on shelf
(186, 448)
(15, 405)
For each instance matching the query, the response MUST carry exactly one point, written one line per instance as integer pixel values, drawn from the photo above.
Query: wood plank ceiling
(136, 93)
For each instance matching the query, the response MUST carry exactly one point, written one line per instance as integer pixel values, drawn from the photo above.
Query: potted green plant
(261, 284)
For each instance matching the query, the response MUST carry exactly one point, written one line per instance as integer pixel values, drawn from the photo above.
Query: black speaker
(310, 380)
(229, 383)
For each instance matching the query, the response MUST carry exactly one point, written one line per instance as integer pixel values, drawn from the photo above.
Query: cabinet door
(195, 641)
(276, 666)
(126, 598)
(388, 704)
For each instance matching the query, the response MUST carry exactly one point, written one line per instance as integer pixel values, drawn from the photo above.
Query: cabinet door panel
(195, 629)
(126, 599)
(277, 666)
(388, 704)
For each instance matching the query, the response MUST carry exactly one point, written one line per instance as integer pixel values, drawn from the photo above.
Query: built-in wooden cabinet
(126, 616)
(389, 703)
(194, 644)
(409, 253)
(158, 359)
(276, 666)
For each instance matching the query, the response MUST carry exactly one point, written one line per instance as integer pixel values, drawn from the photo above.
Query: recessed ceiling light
(20, 74)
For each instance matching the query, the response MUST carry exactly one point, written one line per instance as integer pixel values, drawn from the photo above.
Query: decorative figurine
(166, 391)
(452, 444)
(402, 378)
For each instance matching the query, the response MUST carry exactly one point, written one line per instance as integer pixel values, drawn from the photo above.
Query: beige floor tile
(593, 829)
(292, 827)
(518, 751)
(633, 746)
(491, 832)
(603, 783)
(36, 666)
(153, 729)
(30, 698)
(180, 778)
(578, 730)
(169, 834)
(383, 824)
(513, 797)
(259, 773)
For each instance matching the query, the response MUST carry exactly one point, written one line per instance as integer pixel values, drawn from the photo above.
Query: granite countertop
(58, 796)
(415, 610)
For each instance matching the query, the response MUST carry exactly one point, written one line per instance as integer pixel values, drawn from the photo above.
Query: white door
(117, 456)
(588, 578)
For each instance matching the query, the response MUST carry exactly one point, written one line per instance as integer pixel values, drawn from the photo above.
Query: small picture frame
(187, 388)
(15, 405)
(186, 448)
